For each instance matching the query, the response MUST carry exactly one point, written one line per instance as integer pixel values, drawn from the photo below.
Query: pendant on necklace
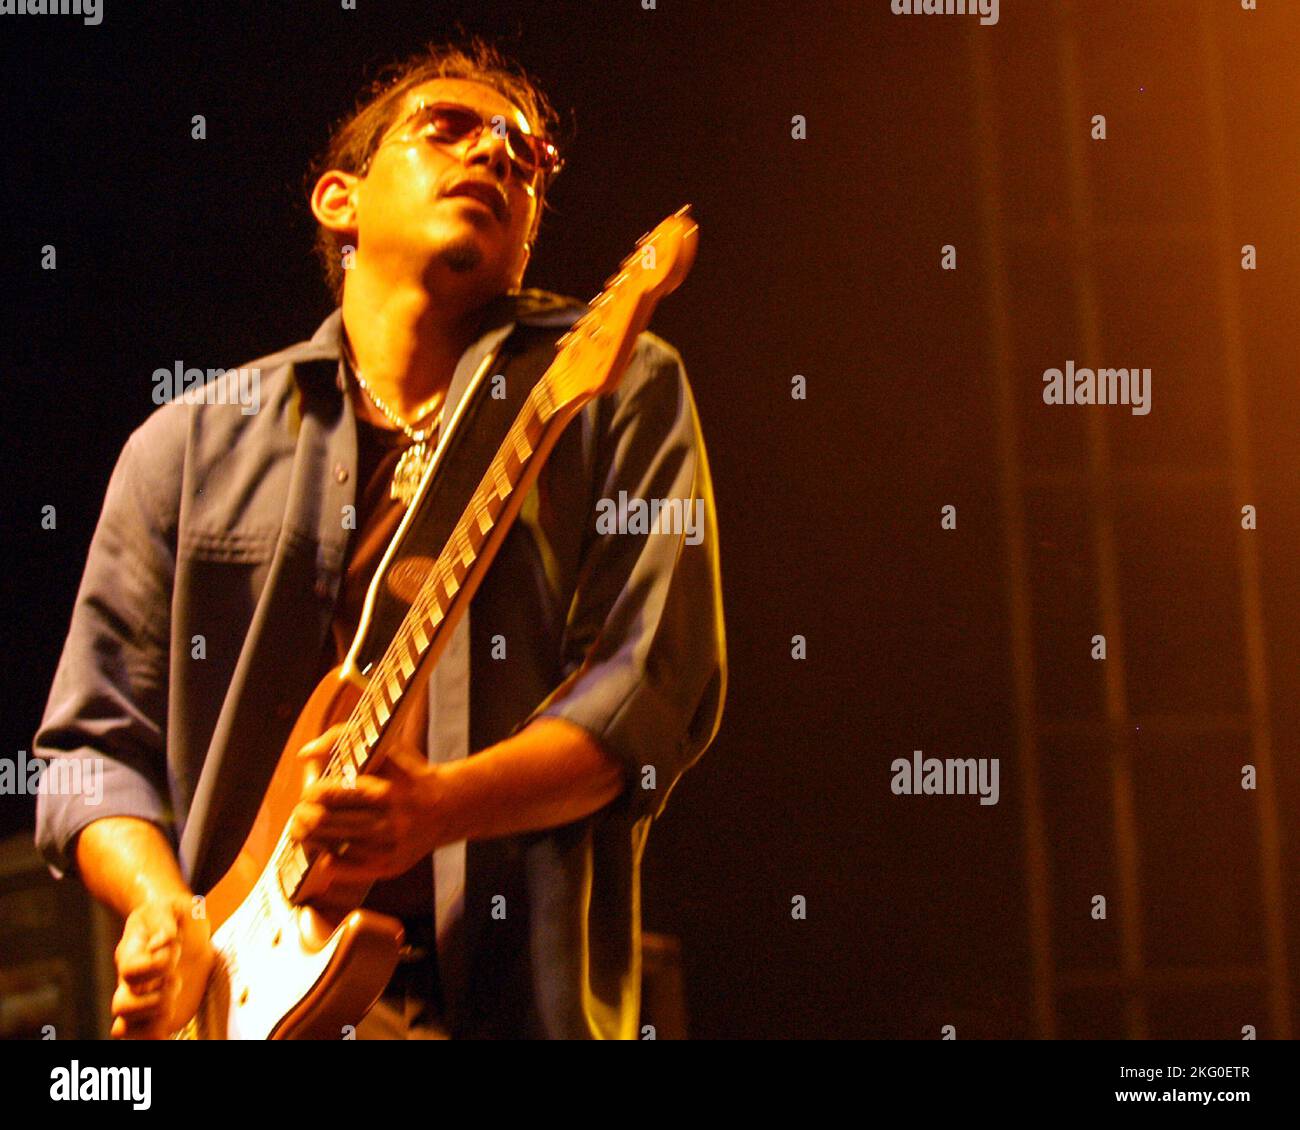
(409, 472)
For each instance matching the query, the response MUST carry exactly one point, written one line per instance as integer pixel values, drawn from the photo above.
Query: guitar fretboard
(355, 750)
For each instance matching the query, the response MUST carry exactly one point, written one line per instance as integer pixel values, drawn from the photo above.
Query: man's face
(419, 207)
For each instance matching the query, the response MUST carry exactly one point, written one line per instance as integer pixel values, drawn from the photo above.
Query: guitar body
(296, 958)
(287, 971)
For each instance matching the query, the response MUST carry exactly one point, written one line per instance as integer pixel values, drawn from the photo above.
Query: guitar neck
(455, 576)
(444, 593)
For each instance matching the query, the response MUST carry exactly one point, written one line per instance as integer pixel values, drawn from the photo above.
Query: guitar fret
(346, 767)
(544, 401)
(514, 466)
(357, 765)
(351, 761)
(354, 748)
(502, 477)
(347, 753)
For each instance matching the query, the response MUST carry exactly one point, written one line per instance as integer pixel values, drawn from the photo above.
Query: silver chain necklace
(415, 460)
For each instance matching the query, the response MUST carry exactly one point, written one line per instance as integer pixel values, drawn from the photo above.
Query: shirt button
(340, 473)
(322, 588)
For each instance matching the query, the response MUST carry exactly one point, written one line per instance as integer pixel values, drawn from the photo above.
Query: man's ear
(333, 201)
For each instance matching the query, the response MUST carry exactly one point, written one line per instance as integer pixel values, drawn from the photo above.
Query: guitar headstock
(591, 357)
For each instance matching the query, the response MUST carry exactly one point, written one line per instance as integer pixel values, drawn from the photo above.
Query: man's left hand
(376, 826)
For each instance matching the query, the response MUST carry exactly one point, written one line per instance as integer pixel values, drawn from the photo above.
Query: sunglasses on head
(449, 123)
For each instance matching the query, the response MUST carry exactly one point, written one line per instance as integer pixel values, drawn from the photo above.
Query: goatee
(462, 256)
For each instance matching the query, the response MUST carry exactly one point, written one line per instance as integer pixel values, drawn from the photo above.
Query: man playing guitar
(230, 568)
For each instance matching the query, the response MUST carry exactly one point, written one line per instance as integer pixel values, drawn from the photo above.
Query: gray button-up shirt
(208, 595)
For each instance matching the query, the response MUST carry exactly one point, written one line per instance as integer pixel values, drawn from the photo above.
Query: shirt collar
(530, 307)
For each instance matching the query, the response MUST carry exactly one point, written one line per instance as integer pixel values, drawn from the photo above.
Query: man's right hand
(163, 963)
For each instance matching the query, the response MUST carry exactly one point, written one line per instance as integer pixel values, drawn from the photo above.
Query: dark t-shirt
(409, 895)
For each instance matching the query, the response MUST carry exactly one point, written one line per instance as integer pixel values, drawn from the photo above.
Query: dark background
(822, 258)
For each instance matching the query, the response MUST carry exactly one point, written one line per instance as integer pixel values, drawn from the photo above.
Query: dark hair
(356, 138)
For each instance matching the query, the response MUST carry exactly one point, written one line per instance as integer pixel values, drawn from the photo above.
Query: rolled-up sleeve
(107, 704)
(645, 644)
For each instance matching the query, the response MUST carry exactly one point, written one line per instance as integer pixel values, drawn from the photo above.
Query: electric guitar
(295, 957)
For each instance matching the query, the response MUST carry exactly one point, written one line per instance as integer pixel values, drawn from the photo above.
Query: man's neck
(406, 343)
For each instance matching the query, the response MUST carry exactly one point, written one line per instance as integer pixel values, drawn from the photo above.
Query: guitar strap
(492, 405)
